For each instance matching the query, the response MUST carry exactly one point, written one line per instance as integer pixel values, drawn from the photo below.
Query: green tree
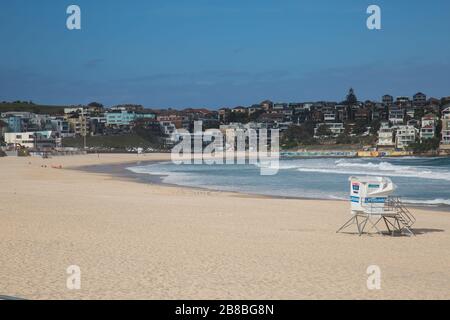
(351, 98)
(426, 145)
(95, 105)
(344, 138)
(297, 135)
(439, 129)
(419, 113)
(375, 127)
(324, 131)
(255, 115)
(238, 117)
(360, 127)
(149, 131)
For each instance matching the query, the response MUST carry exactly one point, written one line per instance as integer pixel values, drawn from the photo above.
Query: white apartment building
(386, 135)
(335, 128)
(405, 135)
(428, 127)
(168, 127)
(396, 116)
(427, 132)
(30, 139)
(330, 117)
(445, 143)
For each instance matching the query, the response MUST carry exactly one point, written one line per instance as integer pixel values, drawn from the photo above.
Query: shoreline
(120, 171)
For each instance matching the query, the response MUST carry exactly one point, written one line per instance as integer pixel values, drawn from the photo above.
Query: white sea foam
(146, 170)
(434, 202)
(383, 168)
(322, 185)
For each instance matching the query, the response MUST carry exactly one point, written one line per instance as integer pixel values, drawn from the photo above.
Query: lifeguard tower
(372, 202)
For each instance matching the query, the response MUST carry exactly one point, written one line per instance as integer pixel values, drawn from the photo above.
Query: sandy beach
(149, 241)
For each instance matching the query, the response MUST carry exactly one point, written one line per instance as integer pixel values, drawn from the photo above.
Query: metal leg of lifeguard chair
(364, 223)
(374, 226)
(387, 225)
(357, 225)
(360, 224)
(347, 224)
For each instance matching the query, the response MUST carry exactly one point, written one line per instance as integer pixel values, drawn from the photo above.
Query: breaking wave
(434, 202)
(344, 166)
(420, 181)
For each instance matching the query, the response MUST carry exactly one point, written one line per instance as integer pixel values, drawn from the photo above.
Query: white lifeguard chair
(372, 202)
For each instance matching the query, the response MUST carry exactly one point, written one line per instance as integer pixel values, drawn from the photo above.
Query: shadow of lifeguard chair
(372, 203)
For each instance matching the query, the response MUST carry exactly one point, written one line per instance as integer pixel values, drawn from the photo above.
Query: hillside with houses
(417, 124)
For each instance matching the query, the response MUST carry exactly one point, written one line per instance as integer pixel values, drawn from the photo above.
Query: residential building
(343, 113)
(307, 106)
(330, 117)
(428, 127)
(380, 112)
(31, 140)
(199, 114)
(279, 107)
(420, 99)
(271, 118)
(98, 124)
(335, 128)
(224, 114)
(296, 106)
(413, 122)
(396, 116)
(241, 110)
(255, 108)
(23, 115)
(72, 110)
(267, 105)
(405, 135)
(433, 101)
(403, 102)
(60, 126)
(176, 118)
(444, 100)
(79, 123)
(445, 143)
(317, 116)
(385, 135)
(388, 100)
(121, 117)
(95, 109)
(129, 107)
(14, 123)
(427, 132)
(412, 111)
(429, 119)
(21, 121)
(363, 114)
(167, 127)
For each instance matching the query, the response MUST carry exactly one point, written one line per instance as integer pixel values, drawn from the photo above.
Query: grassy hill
(121, 142)
(29, 107)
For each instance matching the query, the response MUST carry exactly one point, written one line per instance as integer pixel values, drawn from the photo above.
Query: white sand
(138, 241)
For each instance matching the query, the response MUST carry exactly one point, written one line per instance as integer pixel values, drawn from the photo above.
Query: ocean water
(422, 181)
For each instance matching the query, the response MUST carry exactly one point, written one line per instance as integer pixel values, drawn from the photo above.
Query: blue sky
(215, 53)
